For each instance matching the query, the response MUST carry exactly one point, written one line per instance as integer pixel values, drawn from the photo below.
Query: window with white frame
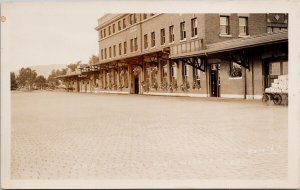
(194, 27)
(235, 70)
(224, 25)
(152, 39)
(182, 31)
(174, 71)
(243, 26)
(171, 34)
(162, 37)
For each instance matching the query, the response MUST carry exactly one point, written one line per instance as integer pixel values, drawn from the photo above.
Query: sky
(49, 33)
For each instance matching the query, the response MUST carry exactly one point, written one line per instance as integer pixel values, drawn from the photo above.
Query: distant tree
(94, 59)
(13, 81)
(40, 82)
(52, 80)
(74, 66)
(26, 78)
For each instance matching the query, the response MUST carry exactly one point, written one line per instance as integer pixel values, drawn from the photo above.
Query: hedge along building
(226, 55)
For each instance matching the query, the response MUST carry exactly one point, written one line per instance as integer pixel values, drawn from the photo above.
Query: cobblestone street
(57, 135)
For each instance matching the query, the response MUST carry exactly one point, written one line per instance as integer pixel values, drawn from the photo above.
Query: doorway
(214, 81)
(136, 85)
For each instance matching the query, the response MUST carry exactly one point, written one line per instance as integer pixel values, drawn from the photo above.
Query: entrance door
(136, 85)
(214, 81)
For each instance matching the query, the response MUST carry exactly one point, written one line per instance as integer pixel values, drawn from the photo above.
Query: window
(145, 41)
(151, 14)
(131, 19)
(144, 16)
(275, 68)
(182, 31)
(164, 71)
(104, 33)
(171, 34)
(101, 34)
(109, 52)
(113, 28)
(125, 47)
(101, 54)
(120, 48)
(185, 70)
(105, 53)
(124, 23)
(194, 27)
(114, 50)
(131, 45)
(134, 18)
(135, 44)
(162, 37)
(197, 73)
(224, 27)
(152, 39)
(243, 26)
(109, 30)
(235, 70)
(119, 25)
(174, 71)
(271, 29)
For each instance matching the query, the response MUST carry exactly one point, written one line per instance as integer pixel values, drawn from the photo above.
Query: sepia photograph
(125, 94)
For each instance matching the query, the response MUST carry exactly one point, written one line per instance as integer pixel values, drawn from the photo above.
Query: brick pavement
(58, 135)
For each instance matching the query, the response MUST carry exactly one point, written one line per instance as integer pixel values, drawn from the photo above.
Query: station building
(204, 55)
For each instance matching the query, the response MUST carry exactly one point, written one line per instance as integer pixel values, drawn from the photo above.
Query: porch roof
(245, 42)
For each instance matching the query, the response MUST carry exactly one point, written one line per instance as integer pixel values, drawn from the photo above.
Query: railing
(186, 47)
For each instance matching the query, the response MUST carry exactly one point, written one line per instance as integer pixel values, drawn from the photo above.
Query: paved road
(58, 135)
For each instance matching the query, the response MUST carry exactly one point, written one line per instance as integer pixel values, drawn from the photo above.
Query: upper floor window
(131, 19)
(194, 27)
(171, 34)
(102, 54)
(145, 41)
(120, 48)
(144, 16)
(224, 25)
(135, 44)
(119, 25)
(182, 31)
(101, 34)
(162, 37)
(104, 33)
(131, 45)
(109, 30)
(109, 53)
(134, 18)
(124, 23)
(243, 26)
(105, 53)
(152, 39)
(113, 28)
(125, 47)
(151, 14)
(114, 50)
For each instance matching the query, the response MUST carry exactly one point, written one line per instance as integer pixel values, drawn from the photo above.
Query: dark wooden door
(136, 85)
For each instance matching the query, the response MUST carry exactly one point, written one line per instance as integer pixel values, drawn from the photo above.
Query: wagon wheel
(266, 99)
(277, 99)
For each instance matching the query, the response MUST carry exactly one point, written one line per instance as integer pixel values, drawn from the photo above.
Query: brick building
(219, 55)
